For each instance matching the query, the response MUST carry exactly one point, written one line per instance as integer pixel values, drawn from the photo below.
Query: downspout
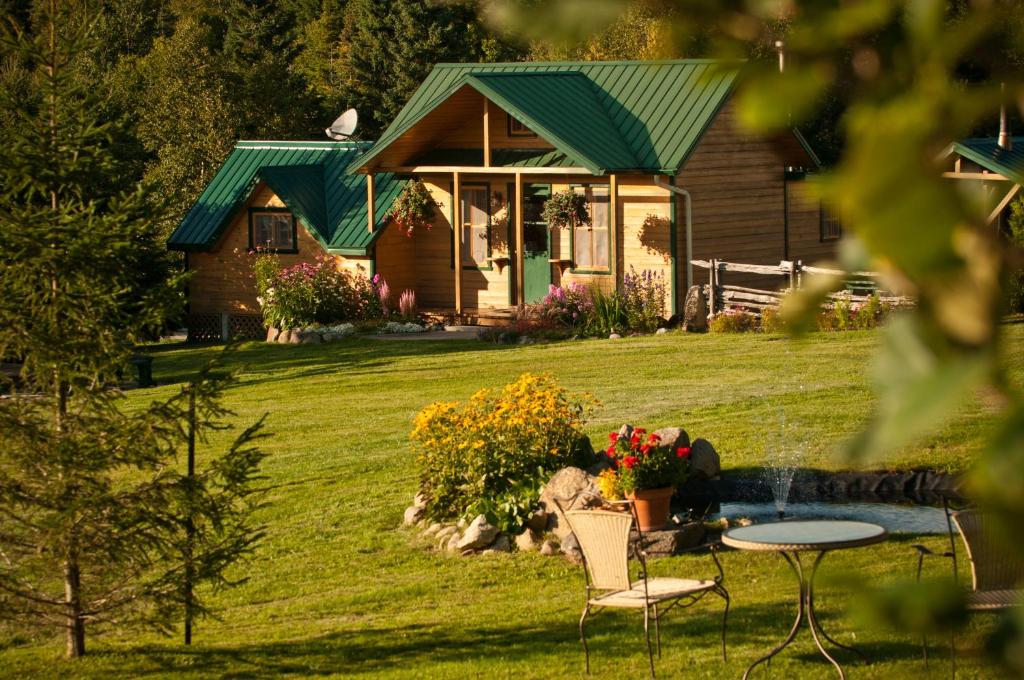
(689, 226)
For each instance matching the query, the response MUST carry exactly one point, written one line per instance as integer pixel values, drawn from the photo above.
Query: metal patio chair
(604, 539)
(996, 574)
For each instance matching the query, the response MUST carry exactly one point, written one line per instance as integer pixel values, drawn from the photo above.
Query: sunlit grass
(338, 588)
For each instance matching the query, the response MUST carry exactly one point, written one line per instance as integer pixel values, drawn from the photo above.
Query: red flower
(613, 437)
(639, 430)
(629, 461)
(683, 452)
(653, 439)
(611, 451)
(645, 449)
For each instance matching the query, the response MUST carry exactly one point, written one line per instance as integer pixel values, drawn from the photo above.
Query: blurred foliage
(913, 75)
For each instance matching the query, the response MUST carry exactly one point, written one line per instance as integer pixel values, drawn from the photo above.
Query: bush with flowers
(316, 293)
(490, 454)
(642, 461)
(571, 304)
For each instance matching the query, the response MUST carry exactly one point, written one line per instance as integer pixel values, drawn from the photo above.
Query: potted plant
(566, 209)
(647, 471)
(413, 208)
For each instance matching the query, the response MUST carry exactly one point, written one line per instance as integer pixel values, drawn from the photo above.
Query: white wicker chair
(997, 576)
(604, 539)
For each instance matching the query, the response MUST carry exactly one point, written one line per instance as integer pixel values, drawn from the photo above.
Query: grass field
(339, 588)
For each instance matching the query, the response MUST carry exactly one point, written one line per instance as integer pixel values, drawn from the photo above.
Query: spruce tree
(98, 524)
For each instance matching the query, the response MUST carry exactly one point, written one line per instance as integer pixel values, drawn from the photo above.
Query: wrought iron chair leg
(647, 637)
(583, 638)
(952, 655)
(657, 629)
(725, 620)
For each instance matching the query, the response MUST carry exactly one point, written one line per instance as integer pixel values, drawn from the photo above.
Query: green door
(536, 248)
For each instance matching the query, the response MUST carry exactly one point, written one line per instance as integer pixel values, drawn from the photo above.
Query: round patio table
(789, 539)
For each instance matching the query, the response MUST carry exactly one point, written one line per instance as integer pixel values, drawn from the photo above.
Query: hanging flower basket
(566, 209)
(413, 209)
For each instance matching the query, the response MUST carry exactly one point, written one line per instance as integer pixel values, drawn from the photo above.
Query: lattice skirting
(210, 327)
(247, 327)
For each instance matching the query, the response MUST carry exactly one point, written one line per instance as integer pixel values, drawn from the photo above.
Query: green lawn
(338, 587)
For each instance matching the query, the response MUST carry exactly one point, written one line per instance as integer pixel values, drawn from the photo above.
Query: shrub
(570, 305)
(845, 315)
(609, 314)
(490, 454)
(771, 322)
(643, 299)
(734, 321)
(315, 293)
(302, 295)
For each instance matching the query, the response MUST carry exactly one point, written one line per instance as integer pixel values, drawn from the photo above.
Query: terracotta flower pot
(652, 507)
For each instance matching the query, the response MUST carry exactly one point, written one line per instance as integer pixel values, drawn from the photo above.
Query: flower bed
(490, 454)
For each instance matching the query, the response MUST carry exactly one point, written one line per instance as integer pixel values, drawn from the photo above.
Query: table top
(793, 536)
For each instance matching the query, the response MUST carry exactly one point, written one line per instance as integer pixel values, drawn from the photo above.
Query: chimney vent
(1005, 141)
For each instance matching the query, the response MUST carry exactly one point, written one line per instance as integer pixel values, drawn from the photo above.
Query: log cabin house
(654, 146)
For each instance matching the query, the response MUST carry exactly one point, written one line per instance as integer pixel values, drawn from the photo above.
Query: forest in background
(185, 79)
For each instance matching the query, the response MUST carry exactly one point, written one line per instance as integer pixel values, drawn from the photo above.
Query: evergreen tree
(89, 497)
(391, 45)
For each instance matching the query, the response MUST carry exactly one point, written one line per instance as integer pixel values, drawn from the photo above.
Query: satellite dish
(343, 127)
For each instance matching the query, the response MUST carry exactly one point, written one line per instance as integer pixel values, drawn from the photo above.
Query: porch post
(487, 133)
(520, 238)
(613, 223)
(371, 199)
(457, 226)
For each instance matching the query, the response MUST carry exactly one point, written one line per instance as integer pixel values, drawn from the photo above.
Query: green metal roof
(643, 116)
(511, 158)
(310, 179)
(987, 153)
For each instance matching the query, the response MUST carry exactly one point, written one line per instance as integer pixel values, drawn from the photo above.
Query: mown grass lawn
(339, 588)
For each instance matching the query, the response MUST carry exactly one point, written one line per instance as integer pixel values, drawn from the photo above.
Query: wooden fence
(860, 286)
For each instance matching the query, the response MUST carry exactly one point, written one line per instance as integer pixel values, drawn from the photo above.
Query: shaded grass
(337, 589)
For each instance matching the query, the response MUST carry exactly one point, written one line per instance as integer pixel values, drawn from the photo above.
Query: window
(476, 222)
(830, 227)
(273, 229)
(590, 244)
(517, 129)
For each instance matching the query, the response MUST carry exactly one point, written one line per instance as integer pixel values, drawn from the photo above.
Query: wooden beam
(493, 170)
(371, 202)
(520, 241)
(1003, 203)
(457, 226)
(989, 176)
(613, 227)
(487, 133)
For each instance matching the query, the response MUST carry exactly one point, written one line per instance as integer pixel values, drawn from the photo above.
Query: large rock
(568, 489)
(695, 310)
(272, 334)
(538, 520)
(413, 514)
(527, 541)
(571, 549)
(704, 460)
(673, 437)
(674, 541)
(294, 337)
(549, 548)
(310, 337)
(501, 545)
(479, 534)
